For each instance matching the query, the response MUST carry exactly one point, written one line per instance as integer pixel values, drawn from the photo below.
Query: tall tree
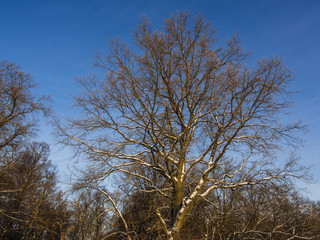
(183, 116)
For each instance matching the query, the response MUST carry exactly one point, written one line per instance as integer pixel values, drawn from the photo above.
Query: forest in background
(184, 132)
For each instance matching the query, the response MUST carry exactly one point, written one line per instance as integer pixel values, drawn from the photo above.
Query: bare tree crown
(18, 104)
(191, 112)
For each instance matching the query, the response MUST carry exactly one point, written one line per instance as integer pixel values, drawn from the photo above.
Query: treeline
(268, 211)
(33, 208)
(180, 136)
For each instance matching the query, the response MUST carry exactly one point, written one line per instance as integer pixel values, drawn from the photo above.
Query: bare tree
(267, 211)
(185, 109)
(20, 165)
(18, 105)
(31, 207)
(89, 216)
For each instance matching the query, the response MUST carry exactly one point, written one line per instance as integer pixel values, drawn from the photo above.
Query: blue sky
(55, 41)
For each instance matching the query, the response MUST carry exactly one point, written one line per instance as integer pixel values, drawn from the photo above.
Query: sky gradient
(55, 41)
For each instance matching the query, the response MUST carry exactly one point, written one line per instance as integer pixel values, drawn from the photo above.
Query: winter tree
(180, 117)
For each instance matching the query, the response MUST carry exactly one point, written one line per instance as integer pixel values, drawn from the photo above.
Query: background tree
(31, 207)
(185, 109)
(18, 105)
(266, 211)
(90, 216)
